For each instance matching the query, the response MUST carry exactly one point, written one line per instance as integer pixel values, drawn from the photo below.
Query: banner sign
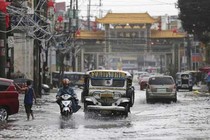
(107, 74)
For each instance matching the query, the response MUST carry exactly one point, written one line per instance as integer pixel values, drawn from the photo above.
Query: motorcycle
(66, 106)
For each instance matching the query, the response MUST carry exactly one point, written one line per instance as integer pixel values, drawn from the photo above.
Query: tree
(195, 17)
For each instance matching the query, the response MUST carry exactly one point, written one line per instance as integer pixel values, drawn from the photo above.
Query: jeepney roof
(126, 74)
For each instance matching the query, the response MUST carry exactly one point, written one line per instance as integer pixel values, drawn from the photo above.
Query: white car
(161, 87)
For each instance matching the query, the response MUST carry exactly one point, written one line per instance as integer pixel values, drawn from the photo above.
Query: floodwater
(189, 119)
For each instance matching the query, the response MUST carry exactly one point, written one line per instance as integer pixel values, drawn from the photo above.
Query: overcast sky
(153, 7)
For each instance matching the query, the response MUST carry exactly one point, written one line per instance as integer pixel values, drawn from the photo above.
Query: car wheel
(147, 98)
(3, 114)
(177, 89)
(175, 100)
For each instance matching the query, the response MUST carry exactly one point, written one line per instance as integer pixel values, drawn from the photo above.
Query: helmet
(65, 82)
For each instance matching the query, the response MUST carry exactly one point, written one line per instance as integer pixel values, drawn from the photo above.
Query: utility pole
(188, 53)
(37, 50)
(73, 27)
(88, 15)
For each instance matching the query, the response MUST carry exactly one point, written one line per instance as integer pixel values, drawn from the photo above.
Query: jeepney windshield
(108, 82)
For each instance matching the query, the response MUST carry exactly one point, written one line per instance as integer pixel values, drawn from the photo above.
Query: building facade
(132, 44)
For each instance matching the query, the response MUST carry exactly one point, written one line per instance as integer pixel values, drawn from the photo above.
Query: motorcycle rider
(66, 89)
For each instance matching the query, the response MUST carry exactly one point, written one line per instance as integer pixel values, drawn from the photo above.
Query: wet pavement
(189, 118)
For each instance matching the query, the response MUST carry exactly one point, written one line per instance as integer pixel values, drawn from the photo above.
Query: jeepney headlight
(96, 94)
(117, 95)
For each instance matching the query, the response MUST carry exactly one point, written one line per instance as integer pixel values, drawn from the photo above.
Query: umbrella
(205, 69)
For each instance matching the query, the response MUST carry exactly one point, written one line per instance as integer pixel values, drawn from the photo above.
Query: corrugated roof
(126, 18)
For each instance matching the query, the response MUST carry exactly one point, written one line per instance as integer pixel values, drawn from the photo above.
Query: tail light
(11, 87)
(173, 88)
(154, 89)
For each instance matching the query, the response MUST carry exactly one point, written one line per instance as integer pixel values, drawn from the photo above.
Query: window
(161, 81)
(108, 82)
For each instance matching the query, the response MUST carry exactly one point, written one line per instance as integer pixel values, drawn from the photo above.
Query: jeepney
(108, 92)
(184, 81)
(76, 78)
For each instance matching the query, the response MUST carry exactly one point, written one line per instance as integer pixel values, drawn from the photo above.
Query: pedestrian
(208, 81)
(28, 98)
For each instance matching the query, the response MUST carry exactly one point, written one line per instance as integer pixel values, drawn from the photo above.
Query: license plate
(161, 90)
(106, 95)
(185, 85)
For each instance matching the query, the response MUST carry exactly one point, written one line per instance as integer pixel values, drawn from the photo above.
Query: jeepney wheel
(130, 94)
(87, 113)
(127, 109)
(85, 106)
(86, 110)
(132, 99)
(82, 97)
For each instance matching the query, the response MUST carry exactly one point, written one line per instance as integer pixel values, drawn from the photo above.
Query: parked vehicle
(108, 92)
(9, 102)
(143, 82)
(22, 81)
(184, 81)
(161, 87)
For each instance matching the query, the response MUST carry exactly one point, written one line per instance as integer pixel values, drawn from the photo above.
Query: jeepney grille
(106, 101)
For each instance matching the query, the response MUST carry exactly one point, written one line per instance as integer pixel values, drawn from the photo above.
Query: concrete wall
(23, 55)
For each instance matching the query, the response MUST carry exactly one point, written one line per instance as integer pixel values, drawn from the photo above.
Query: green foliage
(195, 17)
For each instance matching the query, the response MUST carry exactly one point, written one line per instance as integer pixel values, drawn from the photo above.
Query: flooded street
(189, 118)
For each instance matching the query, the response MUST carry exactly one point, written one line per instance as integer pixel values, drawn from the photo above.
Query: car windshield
(161, 81)
(108, 82)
